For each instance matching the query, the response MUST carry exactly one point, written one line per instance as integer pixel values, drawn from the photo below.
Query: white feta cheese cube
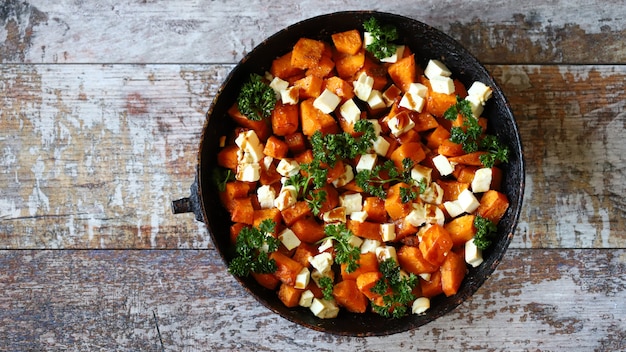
(249, 143)
(482, 180)
(400, 123)
(267, 162)
(266, 196)
(425, 276)
(381, 146)
(476, 105)
(248, 172)
(289, 239)
(355, 241)
(345, 178)
(290, 95)
(322, 262)
(302, 279)
(417, 215)
(436, 68)
(418, 89)
(362, 87)
(412, 102)
(324, 309)
(350, 111)
(359, 216)
(467, 201)
(375, 100)
(398, 54)
(443, 165)
(434, 215)
(386, 252)
(420, 305)
(286, 197)
(377, 129)
(366, 162)
(480, 91)
(387, 232)
(453, 208)
(306, 299)
(335, 215)
(420, 172)
(473, 254)
(433, 194)
(326, 102)
(326, 244)
(390, 94)
(368, 39)
(288, 167)
(278, 84)
(369, 245)
(351, 202)
(441, 84)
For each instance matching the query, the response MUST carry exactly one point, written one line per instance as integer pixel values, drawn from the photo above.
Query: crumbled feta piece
(390, 94)
(278, 84)
(324, 309)
(248, 172)
(366, 162)
(420, 305)
(289, 239)
(381, 146)
(417, 215)
(355, 241)
(386, 252)
(476, 105)
(266, 196)
(302, 279)
(443, 165)
(420, 172)
(335, 215)
(453, 208)
(400, 123)
(327, 101)
(473, 254)
(377, 129)
(434, 215)
(436, 68)
(351, 202)
(425, 276)
(288, 167)
(481, 91)
(369, 245)
(467, 201)
(359, 216)
(398, 54)
(433, 194)
(387, 232)
(368, 39)
(286, 197)
(290, 95)
(249, 143)
(350, 111)
(375, 100)
(322, 262)
(412, 102)
(345, 178)
(363, 86)
(482, 180)
(306, 299)
(418, 89)
(442, 84)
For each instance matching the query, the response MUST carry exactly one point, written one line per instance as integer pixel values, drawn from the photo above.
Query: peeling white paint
(8, 209)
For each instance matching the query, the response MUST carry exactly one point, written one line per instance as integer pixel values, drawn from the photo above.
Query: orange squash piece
(365, 229)
(375, 209)
(431, 288)
(313, 119)
(436, 137)
(348, 295)
(436, 244)
(262, 128)
(295, 212)
(461, 229)
(348, 65)
(472, 158)
(366, 281)
(367, 262)
(348, 42)
(308, 230)
(287, 268)
(453, 271)
(285, 119)
(403, 72)
(309, 87)
(227, 157)
(393, 202)
(276, 148)
(410, 150)
(268, 281)
(307, 53)
(242, 211)
(282, 67)
(493, 205)
(289, 295)
(412, 260)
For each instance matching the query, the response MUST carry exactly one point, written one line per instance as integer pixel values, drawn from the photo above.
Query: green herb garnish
(345, 253)
(221, 176)
(372, 181)
(256, 99)
(486, 231)
(383, 37)
(308, 187)
(331, 148)
(326, 284)
(252, 247)
(396, 289)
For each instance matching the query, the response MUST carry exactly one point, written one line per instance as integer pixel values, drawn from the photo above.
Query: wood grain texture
(111, 146)
(504, 31)
(113, 300)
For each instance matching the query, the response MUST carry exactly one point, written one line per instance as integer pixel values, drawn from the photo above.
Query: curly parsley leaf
(252, 247)
(372, 181)
(221, 176)
(308, 187)
(345, 253)
(330, 148)
(396, 289)
(326, 284)
(485, 234)
(383, 36)
(497, 151)
(256, 99)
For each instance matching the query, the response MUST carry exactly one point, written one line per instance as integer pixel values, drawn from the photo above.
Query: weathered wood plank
(509, 31)
(92, 155)
(568, 300)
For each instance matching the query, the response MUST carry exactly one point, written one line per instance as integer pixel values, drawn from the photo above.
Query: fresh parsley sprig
(383, 36)
(372, 181)
(497, 151)
(485, 232)
(308, 185)
(221, 176)
(345, 253)
(256, 99)
(330, 148)
(326, 284)
(251, 256)
(396, 289)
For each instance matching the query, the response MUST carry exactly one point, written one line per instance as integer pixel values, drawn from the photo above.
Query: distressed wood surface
(537, 300)
(101, 109)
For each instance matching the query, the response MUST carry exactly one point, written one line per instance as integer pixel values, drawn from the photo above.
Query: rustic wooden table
(101, 109)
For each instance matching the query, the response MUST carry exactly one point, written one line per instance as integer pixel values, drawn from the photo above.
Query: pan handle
(189, 204)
